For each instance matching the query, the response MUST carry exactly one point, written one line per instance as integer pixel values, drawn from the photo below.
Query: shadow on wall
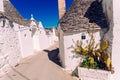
(53, 55)
(96, 15)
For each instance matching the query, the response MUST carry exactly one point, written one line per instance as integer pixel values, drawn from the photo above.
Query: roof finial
(32, 18)
(40, 25)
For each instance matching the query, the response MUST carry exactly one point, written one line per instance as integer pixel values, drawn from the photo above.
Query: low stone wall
(93, 74)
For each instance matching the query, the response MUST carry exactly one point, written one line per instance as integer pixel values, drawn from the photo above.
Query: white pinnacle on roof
(33, 23)
(40, 25)
(32, 18)
(41, 28)
(53, 29)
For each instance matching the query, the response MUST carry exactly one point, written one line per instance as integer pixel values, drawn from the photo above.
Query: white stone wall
(71, 59)
(116, 40)
(1, 6)
(61, 47)
(18, 41)
(9, 47)
(36, 41)
(44, 41)
(108, 7)
(113, 12)
(54, 37)
(108, 10)
(26, 41)
(41, 40)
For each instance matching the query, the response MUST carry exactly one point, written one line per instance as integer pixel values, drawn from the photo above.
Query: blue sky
(45, 11)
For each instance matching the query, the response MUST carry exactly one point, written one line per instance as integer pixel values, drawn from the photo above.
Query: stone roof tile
(11, 13)
(84, 15)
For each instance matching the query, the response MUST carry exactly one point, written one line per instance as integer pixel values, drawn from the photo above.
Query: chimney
(61, 8)
(1, 6)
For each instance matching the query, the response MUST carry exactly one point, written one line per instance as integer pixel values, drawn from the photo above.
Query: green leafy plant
(89, 62)
(96, 55)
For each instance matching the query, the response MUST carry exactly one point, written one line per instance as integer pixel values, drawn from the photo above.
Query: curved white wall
(9, 47)
(71, 60)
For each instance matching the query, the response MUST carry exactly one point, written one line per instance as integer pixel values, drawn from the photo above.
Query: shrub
(96, 55)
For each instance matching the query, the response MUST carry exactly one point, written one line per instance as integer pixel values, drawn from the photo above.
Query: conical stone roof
(84, 15)
(12, 14)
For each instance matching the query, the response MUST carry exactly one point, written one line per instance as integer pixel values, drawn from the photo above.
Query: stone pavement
(37, 67)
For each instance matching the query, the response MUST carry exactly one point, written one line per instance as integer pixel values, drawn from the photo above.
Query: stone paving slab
(37, 67)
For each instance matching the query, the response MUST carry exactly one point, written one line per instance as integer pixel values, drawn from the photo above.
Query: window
(83, 36)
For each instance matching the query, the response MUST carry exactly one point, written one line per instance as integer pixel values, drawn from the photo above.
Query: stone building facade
(83, 16)
(9, 46)
(111, 10)
(20, 38)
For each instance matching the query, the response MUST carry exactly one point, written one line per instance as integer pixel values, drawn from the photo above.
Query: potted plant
(96, 64)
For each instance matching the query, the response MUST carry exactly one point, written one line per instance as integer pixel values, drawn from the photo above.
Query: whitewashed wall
(44, 41)
(108, 7)
(72, 60)
(54, 37)
(61, 47)
(112, 8)
(26, 41)
(116, 40)
(16, 42)
(40, 41)
(1, 6)
(9, 47)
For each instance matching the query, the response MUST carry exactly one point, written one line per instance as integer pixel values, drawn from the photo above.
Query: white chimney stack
(61, 7)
